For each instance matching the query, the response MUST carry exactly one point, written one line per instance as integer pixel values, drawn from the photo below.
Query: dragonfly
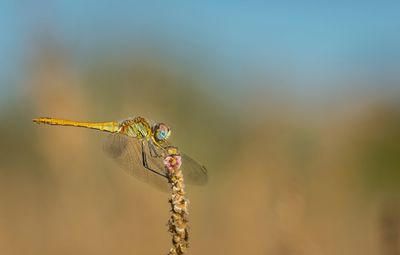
(139, 147)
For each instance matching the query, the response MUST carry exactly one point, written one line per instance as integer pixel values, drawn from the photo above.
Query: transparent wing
(127, 152)
(193, 172)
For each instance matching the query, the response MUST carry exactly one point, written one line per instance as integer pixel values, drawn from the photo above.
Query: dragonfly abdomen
(102, 126)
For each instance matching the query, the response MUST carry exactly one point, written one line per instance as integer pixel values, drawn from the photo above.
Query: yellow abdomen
(111, 126)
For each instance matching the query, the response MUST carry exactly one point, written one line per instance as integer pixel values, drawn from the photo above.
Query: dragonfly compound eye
(161, 132)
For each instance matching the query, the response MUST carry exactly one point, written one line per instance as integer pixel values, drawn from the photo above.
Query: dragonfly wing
(127, 152)
(193, 172)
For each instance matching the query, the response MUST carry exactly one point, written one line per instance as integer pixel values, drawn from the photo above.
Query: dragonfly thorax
(136, 127)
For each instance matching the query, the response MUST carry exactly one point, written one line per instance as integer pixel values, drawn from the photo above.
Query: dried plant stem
(178, 222)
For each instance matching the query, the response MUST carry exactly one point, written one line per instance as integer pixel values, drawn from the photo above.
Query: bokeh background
(294, 108)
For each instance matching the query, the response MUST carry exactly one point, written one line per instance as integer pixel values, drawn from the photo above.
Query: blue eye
(161, 135)
(161, 132)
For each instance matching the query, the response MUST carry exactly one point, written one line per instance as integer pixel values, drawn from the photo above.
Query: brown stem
(178, 222)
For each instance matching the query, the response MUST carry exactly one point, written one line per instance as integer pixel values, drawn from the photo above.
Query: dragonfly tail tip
(37, 120)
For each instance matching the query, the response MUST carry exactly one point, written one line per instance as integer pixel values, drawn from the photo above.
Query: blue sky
(313, 39)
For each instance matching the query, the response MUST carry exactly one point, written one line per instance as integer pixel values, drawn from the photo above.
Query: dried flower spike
(178, 222)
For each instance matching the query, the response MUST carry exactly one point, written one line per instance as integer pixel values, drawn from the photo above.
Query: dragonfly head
(161, 132)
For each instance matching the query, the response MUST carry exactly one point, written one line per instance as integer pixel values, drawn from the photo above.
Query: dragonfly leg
(145, 164)
(153, 151)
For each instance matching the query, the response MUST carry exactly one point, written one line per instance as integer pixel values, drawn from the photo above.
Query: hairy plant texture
(178, 222)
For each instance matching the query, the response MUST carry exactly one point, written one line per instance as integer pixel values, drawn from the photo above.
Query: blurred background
(293, 108)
